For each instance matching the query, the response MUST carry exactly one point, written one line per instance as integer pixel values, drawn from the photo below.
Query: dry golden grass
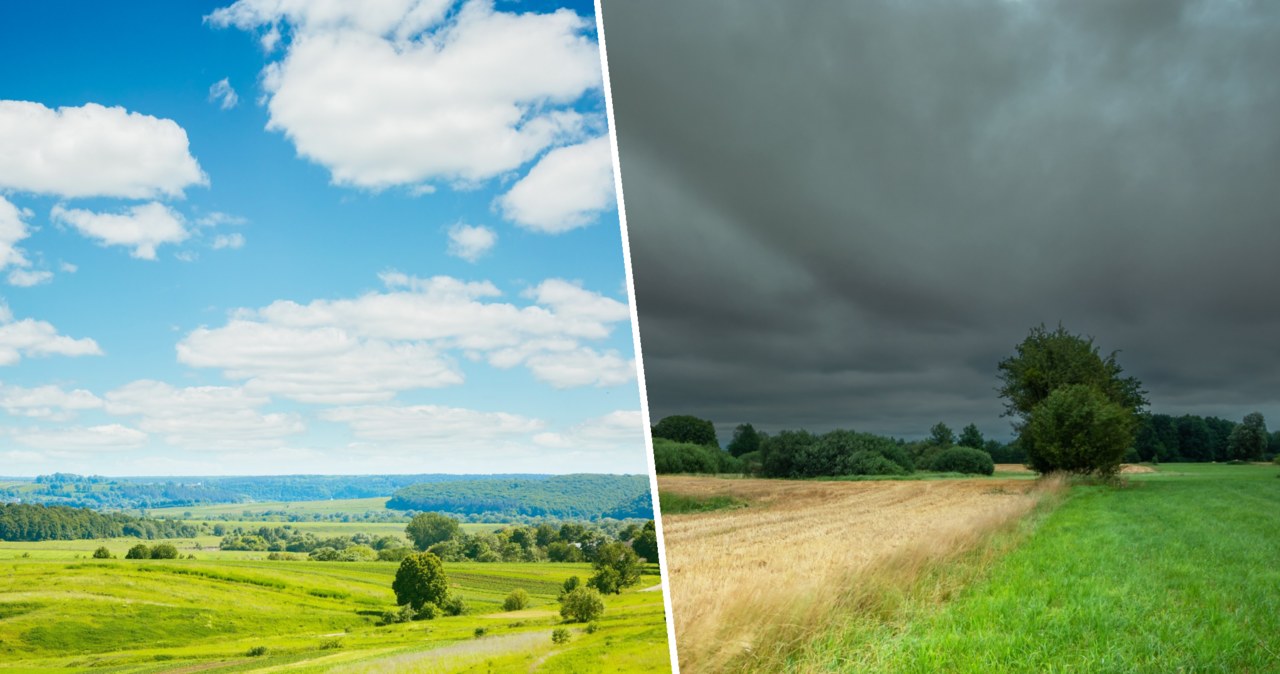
(747, 582)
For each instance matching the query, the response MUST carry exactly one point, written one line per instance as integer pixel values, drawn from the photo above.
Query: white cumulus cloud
(142, 227)
(365, 349)
(470, 242)
(404, 92)
(93, 150)
(29, 337)
(568, 188)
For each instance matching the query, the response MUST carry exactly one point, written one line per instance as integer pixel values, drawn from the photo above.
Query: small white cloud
(223, 94)
(13, 228)
(68, 268)
(216, 218)
(208, 417)
(186, 256)
(427, 423)
(471, 242)
(141, 227)
(366, 349)
(106, 437)
(568, 188)
(582, 367)
(620, 428)
(29, 337)
(232, 241)
(25, 278)
(46, 402)
(93, 150)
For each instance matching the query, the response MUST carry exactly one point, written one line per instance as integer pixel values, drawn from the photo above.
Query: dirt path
(798, 541)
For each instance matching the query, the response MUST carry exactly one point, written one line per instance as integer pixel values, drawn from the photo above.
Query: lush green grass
(1178, 571)
(64, 614)
(675, 504)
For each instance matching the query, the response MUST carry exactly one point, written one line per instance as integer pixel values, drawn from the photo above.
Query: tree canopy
(421, 580)
(427, 529)
(686, 428)
(745, 440)
(1075, 411)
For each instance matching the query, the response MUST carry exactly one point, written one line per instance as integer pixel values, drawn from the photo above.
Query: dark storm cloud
(844, 214)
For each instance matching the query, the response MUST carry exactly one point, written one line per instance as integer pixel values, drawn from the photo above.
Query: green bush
(257, 651)
(453, 606)
(102, 553)
(559, 635)
(593, 627)
(138, 551)
(429, 611)
(516, 601)
(481, 631)
(682, 457)
(164, 551)
(964, 460)
(570, 584)
(583, 604)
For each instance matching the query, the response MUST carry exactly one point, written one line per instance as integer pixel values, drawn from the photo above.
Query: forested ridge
(29, 522)
(580, 496)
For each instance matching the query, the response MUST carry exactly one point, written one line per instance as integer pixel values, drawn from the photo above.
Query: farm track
(798, 543)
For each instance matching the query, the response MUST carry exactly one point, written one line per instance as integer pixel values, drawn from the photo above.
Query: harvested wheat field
(801, 547)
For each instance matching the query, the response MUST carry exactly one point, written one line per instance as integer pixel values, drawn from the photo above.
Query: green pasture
(321, 507)
(61, 614)
(1177, 571)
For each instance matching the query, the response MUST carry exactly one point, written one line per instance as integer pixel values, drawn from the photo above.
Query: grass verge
(678, 504)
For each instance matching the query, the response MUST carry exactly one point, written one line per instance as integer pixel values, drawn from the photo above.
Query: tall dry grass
(751, 585)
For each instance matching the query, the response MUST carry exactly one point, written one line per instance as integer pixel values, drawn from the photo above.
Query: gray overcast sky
(844, 214)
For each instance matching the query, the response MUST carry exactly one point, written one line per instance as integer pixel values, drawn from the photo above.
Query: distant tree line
(800, 453)
(31, 522)
(569, 542)
(145, 493)
(1191, 438)
(584, 496)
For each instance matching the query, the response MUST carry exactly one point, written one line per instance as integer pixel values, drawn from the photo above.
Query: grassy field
(1179, 571)
(64, 615)
(324, 507)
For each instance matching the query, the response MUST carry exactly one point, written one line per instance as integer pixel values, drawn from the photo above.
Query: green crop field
(61, 614)
(1178, 571)
(325, 507)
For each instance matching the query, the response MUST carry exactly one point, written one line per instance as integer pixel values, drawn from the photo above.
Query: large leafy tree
(745, 440)
(1046, 360)
(617, 567)
(685, 428)
(942, 435)
(421, 580)
(1075, 410)
(1249, 439)
(971, 437)
(427, 529)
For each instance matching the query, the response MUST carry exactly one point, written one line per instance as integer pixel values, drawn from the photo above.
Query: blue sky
(277, 237)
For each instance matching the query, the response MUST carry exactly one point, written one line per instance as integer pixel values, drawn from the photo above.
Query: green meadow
(236, 611)
(1176, 571)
